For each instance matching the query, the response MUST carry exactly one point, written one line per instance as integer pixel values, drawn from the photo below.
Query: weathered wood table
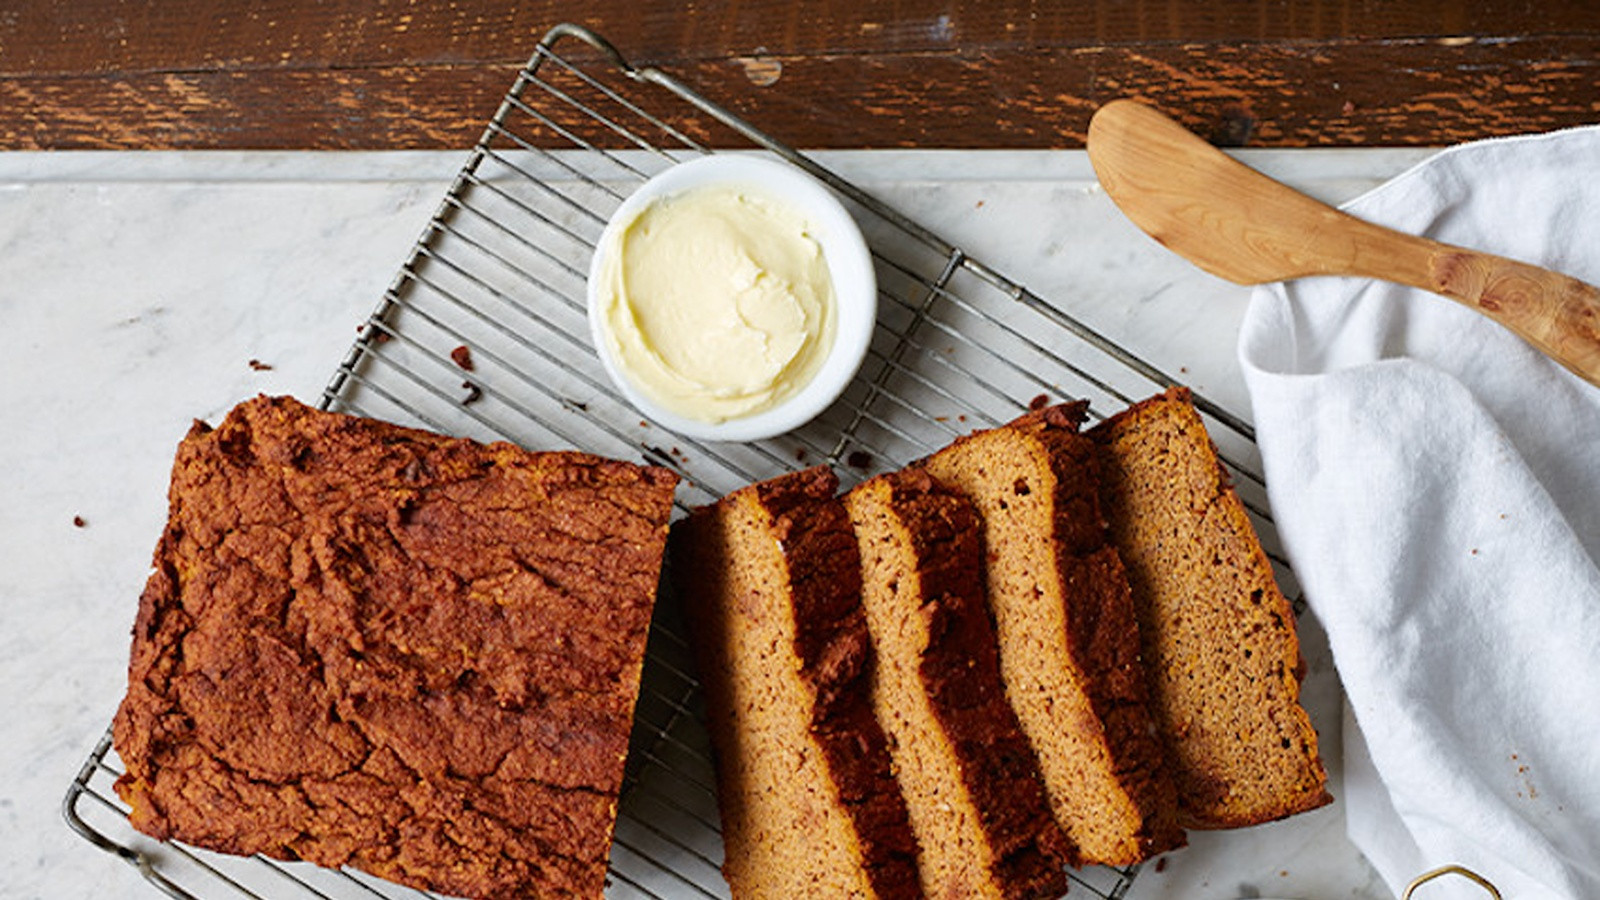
(380, 74)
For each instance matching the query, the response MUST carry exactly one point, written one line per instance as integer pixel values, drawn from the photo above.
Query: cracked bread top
(379, 647)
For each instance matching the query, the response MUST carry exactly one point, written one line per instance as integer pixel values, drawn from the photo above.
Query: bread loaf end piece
(1220, 645)
(371, 646)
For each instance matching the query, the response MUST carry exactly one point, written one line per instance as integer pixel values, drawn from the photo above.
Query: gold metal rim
(1442, 871)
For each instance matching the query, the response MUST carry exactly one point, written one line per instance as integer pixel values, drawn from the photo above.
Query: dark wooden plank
(1396, 92)
(39, 37)
(401, 109)
(336, 74)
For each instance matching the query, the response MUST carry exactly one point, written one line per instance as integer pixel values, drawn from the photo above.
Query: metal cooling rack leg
(69, 810)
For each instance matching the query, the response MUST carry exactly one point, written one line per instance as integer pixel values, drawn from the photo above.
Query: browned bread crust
(971, 783)
(1069, 646)
(373, 646)
(770, 582)
(1220, 647)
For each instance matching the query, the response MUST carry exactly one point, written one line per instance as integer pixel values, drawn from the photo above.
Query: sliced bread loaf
(1068, 642)
(770, 582)
(1220, 646)
(972, 787)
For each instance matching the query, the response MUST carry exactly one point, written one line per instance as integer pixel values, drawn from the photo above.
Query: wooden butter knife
(1241, 225)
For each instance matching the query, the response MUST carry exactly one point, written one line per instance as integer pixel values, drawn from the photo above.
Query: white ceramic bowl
(849, 265)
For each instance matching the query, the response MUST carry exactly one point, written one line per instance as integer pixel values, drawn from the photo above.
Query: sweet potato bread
(971, 783)
(771, 586)
(378, 647)
(1220, 647)
(1069, 643)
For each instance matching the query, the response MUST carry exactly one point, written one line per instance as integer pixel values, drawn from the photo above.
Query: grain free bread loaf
(1068, 642)
(1219, 638)
(372, 646)
(770, 582)
(972, 787)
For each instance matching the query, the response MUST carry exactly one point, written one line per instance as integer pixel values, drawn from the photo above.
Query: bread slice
(1219, 637)
(976, 801)
(771, 585)
(1069, 645)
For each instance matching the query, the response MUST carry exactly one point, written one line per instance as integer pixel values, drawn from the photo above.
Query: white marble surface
(135, 290)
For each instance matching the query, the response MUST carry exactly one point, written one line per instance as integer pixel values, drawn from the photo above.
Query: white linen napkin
(1436, 485)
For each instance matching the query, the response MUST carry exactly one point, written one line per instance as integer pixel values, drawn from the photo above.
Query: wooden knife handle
(1558, 314)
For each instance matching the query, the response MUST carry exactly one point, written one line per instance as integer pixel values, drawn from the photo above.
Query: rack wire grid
(501, 269)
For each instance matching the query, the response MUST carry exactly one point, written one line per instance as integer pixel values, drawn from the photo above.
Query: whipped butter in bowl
(731, 298)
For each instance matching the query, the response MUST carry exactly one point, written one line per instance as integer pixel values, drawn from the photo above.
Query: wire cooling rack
(500, 271)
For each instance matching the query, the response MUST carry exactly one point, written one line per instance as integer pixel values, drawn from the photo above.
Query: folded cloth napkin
(1436, 485)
